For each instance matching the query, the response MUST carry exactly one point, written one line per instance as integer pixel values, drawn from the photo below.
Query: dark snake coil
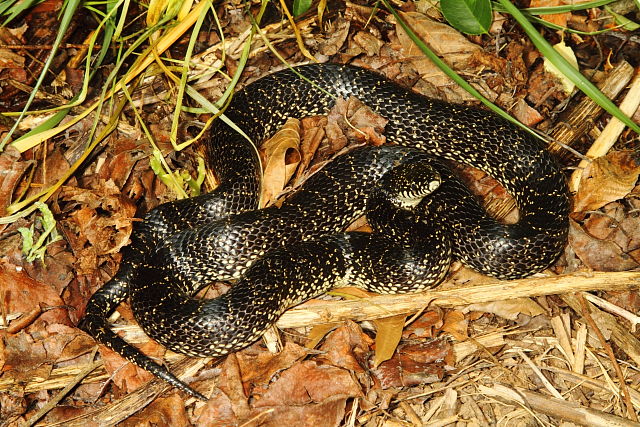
(286, 255)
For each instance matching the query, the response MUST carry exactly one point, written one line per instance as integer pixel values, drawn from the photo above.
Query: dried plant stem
(611, 132)
(607, 347)
(318, 312)
(562, 409)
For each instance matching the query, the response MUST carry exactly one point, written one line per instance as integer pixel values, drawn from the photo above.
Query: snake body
(285, 255)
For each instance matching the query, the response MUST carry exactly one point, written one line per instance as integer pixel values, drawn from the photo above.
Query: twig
(612, 308)
(61, 395)
(610, 134)
(605, 344)
(569, 411)
(550, 388)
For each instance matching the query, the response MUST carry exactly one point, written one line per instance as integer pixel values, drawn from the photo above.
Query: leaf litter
(516, 362)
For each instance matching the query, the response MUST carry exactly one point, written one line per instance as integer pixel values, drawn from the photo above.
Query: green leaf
(468, 16)
(31, 250)
(450, 72)
(564, 67)
(300, 6)
(27, 240)
(626, 23)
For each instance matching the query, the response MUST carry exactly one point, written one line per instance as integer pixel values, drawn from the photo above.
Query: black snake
(275, 252)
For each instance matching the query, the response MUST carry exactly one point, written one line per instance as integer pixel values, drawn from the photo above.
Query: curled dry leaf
(413, 364)
(330, 413)
(125, 375)
(337, 33)
(282, 154)
(228, 402)
(526, 113)
(258, 366)
(353, 120)
(442, 39)
(555, 18)
(19, 291)
(24, 358)
(313, 132)
(607, 179)
(217, 411)
(424, 326)
(369, 43)
(318, 332)
(455, 49)
(347, 347)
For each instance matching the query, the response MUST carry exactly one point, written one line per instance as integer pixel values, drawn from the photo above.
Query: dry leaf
(456, 325)
(282, 153)
(12, 168)
(412, 364)
(163, 411)
(259, 366)
(526, 113)
(607, 179)
(309, 382)
(455, 49)
(509, 309)
(317, 333)
(388, 334)
(347, 347)
(556, 18)
(599, 255)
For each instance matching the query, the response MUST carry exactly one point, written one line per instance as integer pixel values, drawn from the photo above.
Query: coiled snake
(280, 254)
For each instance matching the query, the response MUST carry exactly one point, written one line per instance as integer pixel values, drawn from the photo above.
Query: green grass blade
(450, 72)
(572, 74)
(65, 21)
(551, 10)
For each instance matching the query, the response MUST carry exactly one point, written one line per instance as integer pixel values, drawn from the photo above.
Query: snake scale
(283, 256)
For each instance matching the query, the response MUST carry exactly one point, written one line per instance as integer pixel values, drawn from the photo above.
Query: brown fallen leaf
(526, 113)
(20, 293)
(258, 366)
(425, 325)
(329, 413)
(230, 382)
(309, 382)
(282, 154)
(163, 411)
(607, 179)
(597, 254)
(352, 120)
(414, 364)
(13, 168)
(125, 375)
(388, 335)
(217, 412)
(228, 403)
(509, 309)
(555, 18)
(347, 347)
(313, 132)
(24, 358)
(456, 325)
(318, 332)
(456, 50)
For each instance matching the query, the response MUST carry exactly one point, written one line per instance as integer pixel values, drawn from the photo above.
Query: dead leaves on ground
(605, 227)
(396, 370)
